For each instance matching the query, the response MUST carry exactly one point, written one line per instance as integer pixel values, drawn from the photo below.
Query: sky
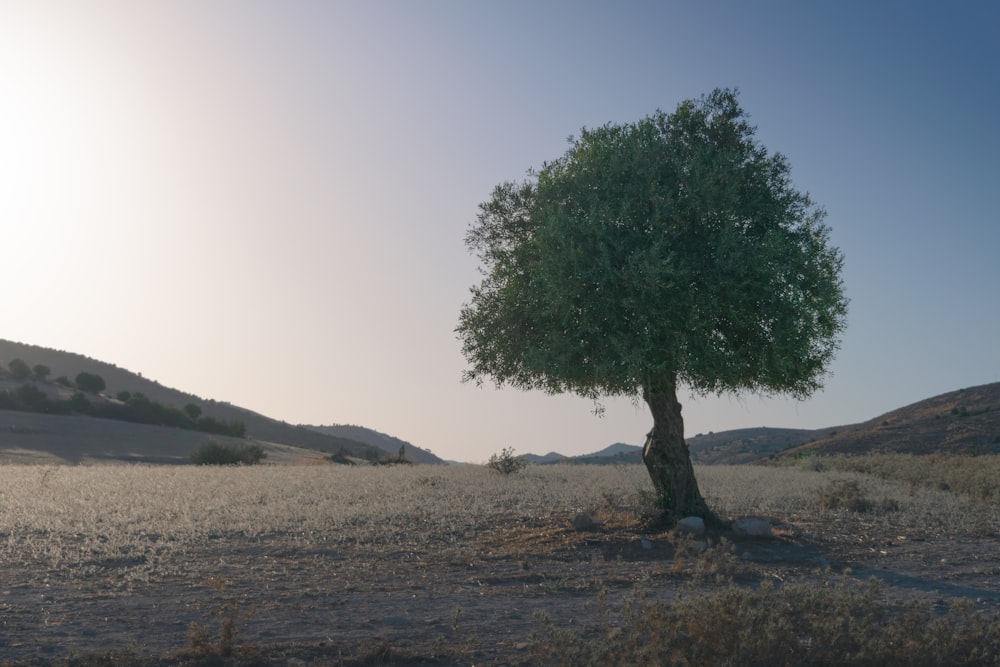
(265, 203)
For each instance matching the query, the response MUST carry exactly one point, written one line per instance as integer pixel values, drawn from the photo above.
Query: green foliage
(506, 463)
(192, 411)
(672, 248)
(41, 371)
(90, 382)
(215, 453)
(19, 369)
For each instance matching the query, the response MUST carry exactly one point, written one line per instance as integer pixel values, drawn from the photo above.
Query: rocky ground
(471, 604)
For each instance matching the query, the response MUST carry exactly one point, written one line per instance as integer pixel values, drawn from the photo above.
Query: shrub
(846, 494)
(397, 459)
(215, 453)
(19, 369)
(41, 371)
(79, 403)
(799, 623)
(843, 494)
(506, 463)
(90, 382)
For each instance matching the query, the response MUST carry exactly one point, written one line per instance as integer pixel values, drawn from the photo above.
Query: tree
(41, 371)
(19, 369)
(665, 253)
(192, 411)
(90, 382)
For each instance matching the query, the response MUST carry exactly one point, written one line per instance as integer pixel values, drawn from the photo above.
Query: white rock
(752, 527)
(692, 524)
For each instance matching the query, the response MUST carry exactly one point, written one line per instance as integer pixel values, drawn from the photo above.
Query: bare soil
(471, 605)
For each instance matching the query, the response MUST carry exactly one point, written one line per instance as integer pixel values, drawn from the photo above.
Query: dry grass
(140, 518)
(135, 527)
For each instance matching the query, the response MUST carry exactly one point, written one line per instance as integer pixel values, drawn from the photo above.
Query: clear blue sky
(265, 202)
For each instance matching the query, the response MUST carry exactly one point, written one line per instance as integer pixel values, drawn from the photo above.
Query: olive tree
(667, 253)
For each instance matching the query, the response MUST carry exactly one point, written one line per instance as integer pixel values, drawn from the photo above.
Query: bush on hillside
(19, 369)
(90, 382)
(215, 453)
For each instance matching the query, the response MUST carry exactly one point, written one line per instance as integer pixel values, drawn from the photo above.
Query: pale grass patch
(141, 520)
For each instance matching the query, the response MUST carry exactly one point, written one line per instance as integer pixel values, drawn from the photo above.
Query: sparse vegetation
(90, 382)
(799, 623)
(396, 459)
(130, 406)
(976, 477)
(216, 453)
(506, 463)
(19, 370)
(274, 532)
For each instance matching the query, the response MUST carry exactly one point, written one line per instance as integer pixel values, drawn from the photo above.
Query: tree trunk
(667, 457)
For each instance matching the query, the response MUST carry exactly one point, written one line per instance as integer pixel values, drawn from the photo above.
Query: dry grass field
(297, 565)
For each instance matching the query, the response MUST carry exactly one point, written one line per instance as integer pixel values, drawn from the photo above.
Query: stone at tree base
(752, 527)
(692, 524)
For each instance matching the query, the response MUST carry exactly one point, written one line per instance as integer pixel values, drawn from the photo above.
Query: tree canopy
(669, 250)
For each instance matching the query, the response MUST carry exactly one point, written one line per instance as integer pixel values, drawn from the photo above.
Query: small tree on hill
(90, 383)
(666, 253)
(41, 371)
(19, 369)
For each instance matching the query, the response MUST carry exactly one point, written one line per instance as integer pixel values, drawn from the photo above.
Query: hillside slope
(387, 443)
(967, 421)
(258, 427)
(746, 444)
(963, 421)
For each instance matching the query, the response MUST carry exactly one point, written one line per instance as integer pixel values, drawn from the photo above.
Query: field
(461, 565)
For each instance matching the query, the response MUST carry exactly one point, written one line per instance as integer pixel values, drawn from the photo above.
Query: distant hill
(386, 443)
(541, 459)
(963, 421)
(967, 420)
(258, 427)
(746, 444)
(610, 455)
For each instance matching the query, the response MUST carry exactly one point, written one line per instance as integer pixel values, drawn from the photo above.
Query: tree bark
(667, 457)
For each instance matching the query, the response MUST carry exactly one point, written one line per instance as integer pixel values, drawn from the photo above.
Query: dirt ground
(473, 605)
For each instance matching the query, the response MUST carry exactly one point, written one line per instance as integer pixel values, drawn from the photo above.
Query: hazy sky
(265, 202)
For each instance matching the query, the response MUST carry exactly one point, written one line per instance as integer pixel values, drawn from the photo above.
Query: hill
(962, 421)
(258, 427)
(387, 443)
(541, 459)
(746, 444)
